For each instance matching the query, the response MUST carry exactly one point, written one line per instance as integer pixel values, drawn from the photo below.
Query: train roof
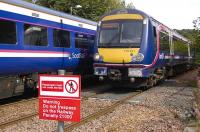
(125, 11)
(155, 22)
(35, 7)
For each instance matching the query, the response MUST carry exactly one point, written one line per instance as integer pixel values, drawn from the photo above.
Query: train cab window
(109, 34)
(35, 35)
(61, 38)
(8, 34)
(164, 42)
(83, 40)
(131, 32)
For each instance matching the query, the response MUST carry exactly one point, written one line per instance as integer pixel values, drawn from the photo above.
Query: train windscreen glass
(126, 34)
(109, 33)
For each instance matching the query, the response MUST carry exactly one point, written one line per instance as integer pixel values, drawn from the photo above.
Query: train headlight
(138, 58)
(98, 57)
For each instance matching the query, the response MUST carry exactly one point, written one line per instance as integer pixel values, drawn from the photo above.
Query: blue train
(132, 45)
(35, 39)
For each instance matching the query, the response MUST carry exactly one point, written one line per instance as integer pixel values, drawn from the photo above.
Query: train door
(62, 42)
(84, 50)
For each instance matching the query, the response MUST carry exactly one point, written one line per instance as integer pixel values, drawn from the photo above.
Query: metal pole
(61, 123)
(61, 72)
(34, 1)
(60, 126)
(71, 8)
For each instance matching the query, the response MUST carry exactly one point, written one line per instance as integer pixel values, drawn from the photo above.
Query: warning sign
(59, 97)
(59, 109)
(56, 86)
(71, 86)
(60, 86)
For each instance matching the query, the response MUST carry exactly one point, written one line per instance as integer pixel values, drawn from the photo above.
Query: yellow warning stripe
(123, 16)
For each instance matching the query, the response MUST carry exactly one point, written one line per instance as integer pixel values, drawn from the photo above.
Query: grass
(192, 83)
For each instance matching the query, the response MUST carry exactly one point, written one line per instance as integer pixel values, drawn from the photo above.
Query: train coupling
(115, 74)
(132, 79)
(101, 78)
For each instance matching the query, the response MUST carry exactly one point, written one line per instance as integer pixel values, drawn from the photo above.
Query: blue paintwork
(13, 66)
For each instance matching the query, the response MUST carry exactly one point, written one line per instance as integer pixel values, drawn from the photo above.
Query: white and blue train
(35, 39)
(131, 45)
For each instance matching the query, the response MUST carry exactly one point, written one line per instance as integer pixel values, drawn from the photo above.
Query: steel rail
(29, 116)
(100, 113)
(18, 102)
(17, 120)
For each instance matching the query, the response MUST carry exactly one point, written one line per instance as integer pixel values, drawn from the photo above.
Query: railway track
(21, 118)
(18, 102)
(29, 116)
(101, 112)
(85, 119)
(17, 120)
(109, 109)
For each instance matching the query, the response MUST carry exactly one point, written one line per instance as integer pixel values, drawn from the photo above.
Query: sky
(176, 14)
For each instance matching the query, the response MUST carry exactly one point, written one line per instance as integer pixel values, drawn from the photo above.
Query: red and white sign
(59, 97)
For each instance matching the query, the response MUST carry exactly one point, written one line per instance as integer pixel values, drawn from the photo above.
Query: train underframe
(17, 85)
(146, 77)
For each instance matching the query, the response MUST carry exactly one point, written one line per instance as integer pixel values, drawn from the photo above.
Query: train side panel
(35, 40)
(44, 57)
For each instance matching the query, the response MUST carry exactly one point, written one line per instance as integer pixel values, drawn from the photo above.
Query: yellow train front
(132, 45)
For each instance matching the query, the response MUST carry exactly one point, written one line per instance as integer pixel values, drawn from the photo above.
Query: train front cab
(127, 46)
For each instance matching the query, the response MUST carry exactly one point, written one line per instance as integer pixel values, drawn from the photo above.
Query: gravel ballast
(166, 107)
(34, 125)
(158, 109)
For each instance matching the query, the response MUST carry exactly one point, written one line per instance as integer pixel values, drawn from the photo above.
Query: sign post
(61, 123)
(59, 98)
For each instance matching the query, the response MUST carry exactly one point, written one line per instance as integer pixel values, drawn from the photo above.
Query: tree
(197, 24)
(197, 37)
(192, 35)
(91, 9)
(130, 5)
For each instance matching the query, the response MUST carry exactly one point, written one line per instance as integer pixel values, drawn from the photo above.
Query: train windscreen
(122, 34)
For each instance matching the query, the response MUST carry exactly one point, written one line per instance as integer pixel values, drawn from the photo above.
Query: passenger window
(8, 32)
(155, 38)
(180, 47)
(164, 41)
(83, 40)
(35, 35)
(61, 38)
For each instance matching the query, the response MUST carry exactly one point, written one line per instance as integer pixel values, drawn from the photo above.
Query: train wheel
(149, 82)
(155, 81)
